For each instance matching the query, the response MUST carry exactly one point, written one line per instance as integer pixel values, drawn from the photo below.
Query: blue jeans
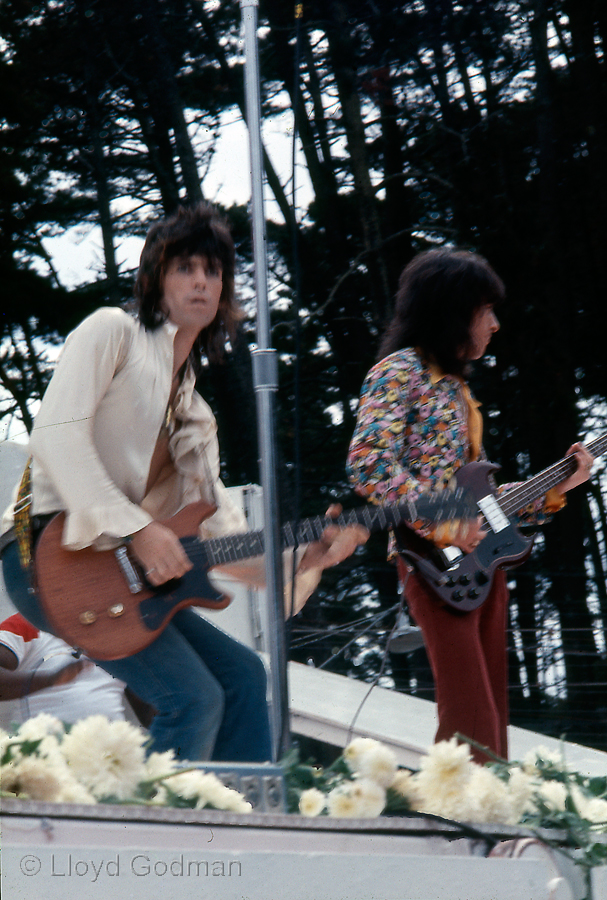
(209, 690)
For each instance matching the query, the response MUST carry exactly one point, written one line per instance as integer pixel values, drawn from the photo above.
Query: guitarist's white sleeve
(69, 473)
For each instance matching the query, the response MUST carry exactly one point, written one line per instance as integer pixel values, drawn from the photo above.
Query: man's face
(483, 326)
(191, 292)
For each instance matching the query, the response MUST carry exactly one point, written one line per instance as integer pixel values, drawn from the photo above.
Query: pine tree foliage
(418, 123)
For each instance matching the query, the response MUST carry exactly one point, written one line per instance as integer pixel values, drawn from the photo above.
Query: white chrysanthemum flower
(358, 799)
(593, 809)
(43, 730)
(158, 765)
(49, 748)
(521, 787)
(106, 757)
(31, 777)
(372, 796)
(74, 792)
(554, 794)
(374, 761)
(356, 749)
(448, 760)
(206, 790)
(404, 784)
(488, 798)
(530, 759)
(341, 804)
(185, 784)
(232, 801)
(215, 793)
(312, 802)
(442, 778)
(161, 796)
(39, 727)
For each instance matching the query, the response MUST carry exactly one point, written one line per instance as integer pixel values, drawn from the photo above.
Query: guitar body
(100, 602)
(464, 582)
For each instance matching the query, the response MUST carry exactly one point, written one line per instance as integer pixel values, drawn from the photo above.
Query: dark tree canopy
(419, 123)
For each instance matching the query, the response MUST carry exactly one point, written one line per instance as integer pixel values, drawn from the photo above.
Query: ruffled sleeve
(62, 441)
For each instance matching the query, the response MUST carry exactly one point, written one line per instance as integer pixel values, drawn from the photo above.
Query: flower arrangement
(96, 761)
(540, 792)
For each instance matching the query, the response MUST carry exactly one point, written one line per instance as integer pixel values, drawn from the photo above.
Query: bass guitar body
(99, 600)
(464, 580)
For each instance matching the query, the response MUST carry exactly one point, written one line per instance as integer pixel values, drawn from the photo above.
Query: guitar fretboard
(429, 507)
(530, 490)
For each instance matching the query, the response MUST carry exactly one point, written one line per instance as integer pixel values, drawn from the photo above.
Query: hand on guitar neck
(162, 557)
(467, 536)
(585, 462)
(334, 545)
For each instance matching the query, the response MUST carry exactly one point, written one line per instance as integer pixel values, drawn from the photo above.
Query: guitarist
(417, 425)
(121, 440)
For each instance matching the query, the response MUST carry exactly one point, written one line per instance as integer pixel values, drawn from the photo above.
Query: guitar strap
(23, 517)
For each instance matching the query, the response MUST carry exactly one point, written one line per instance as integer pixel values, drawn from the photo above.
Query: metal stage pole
(265, 376)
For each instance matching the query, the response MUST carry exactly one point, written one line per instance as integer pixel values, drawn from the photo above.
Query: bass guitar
(463, 580)
(100, 602)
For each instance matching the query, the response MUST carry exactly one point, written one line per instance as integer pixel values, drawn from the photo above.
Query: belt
(38, 523)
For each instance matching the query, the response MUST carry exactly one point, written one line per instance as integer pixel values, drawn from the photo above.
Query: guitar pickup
(493, 513)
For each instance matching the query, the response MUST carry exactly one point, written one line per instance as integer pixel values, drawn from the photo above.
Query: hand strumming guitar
(160, 553)
(335, 545)
(163, 558)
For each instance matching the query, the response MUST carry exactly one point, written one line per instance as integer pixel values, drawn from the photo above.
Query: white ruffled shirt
(97, 428)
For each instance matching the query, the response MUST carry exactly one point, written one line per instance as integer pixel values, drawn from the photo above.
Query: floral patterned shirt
(412, 434)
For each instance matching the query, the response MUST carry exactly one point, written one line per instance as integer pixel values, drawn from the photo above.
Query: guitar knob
(116, 610)
(457, 596)
(449, 582)
(464, 579)
(473, 593)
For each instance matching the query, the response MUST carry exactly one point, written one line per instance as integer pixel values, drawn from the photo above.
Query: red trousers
(469, 661)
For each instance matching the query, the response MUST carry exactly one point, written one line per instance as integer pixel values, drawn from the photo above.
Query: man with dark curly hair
(123, 440)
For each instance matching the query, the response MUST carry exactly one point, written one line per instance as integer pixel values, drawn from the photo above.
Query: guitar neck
(535, 487)
(375, 518)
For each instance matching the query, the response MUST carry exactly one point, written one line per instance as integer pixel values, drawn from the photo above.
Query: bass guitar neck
(464, 580)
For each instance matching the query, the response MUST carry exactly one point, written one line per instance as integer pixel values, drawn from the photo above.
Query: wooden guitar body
(100, 601)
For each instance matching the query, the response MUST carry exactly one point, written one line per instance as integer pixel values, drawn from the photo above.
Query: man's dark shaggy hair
(197, 230)
(438, 293)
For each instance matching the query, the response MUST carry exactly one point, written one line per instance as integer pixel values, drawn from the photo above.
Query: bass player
(417, 425)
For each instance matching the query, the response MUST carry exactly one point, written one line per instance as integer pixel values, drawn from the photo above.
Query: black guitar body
(463, 580)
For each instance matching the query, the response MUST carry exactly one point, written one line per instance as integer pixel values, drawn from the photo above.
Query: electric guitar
(100, 602)
(463, 580)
